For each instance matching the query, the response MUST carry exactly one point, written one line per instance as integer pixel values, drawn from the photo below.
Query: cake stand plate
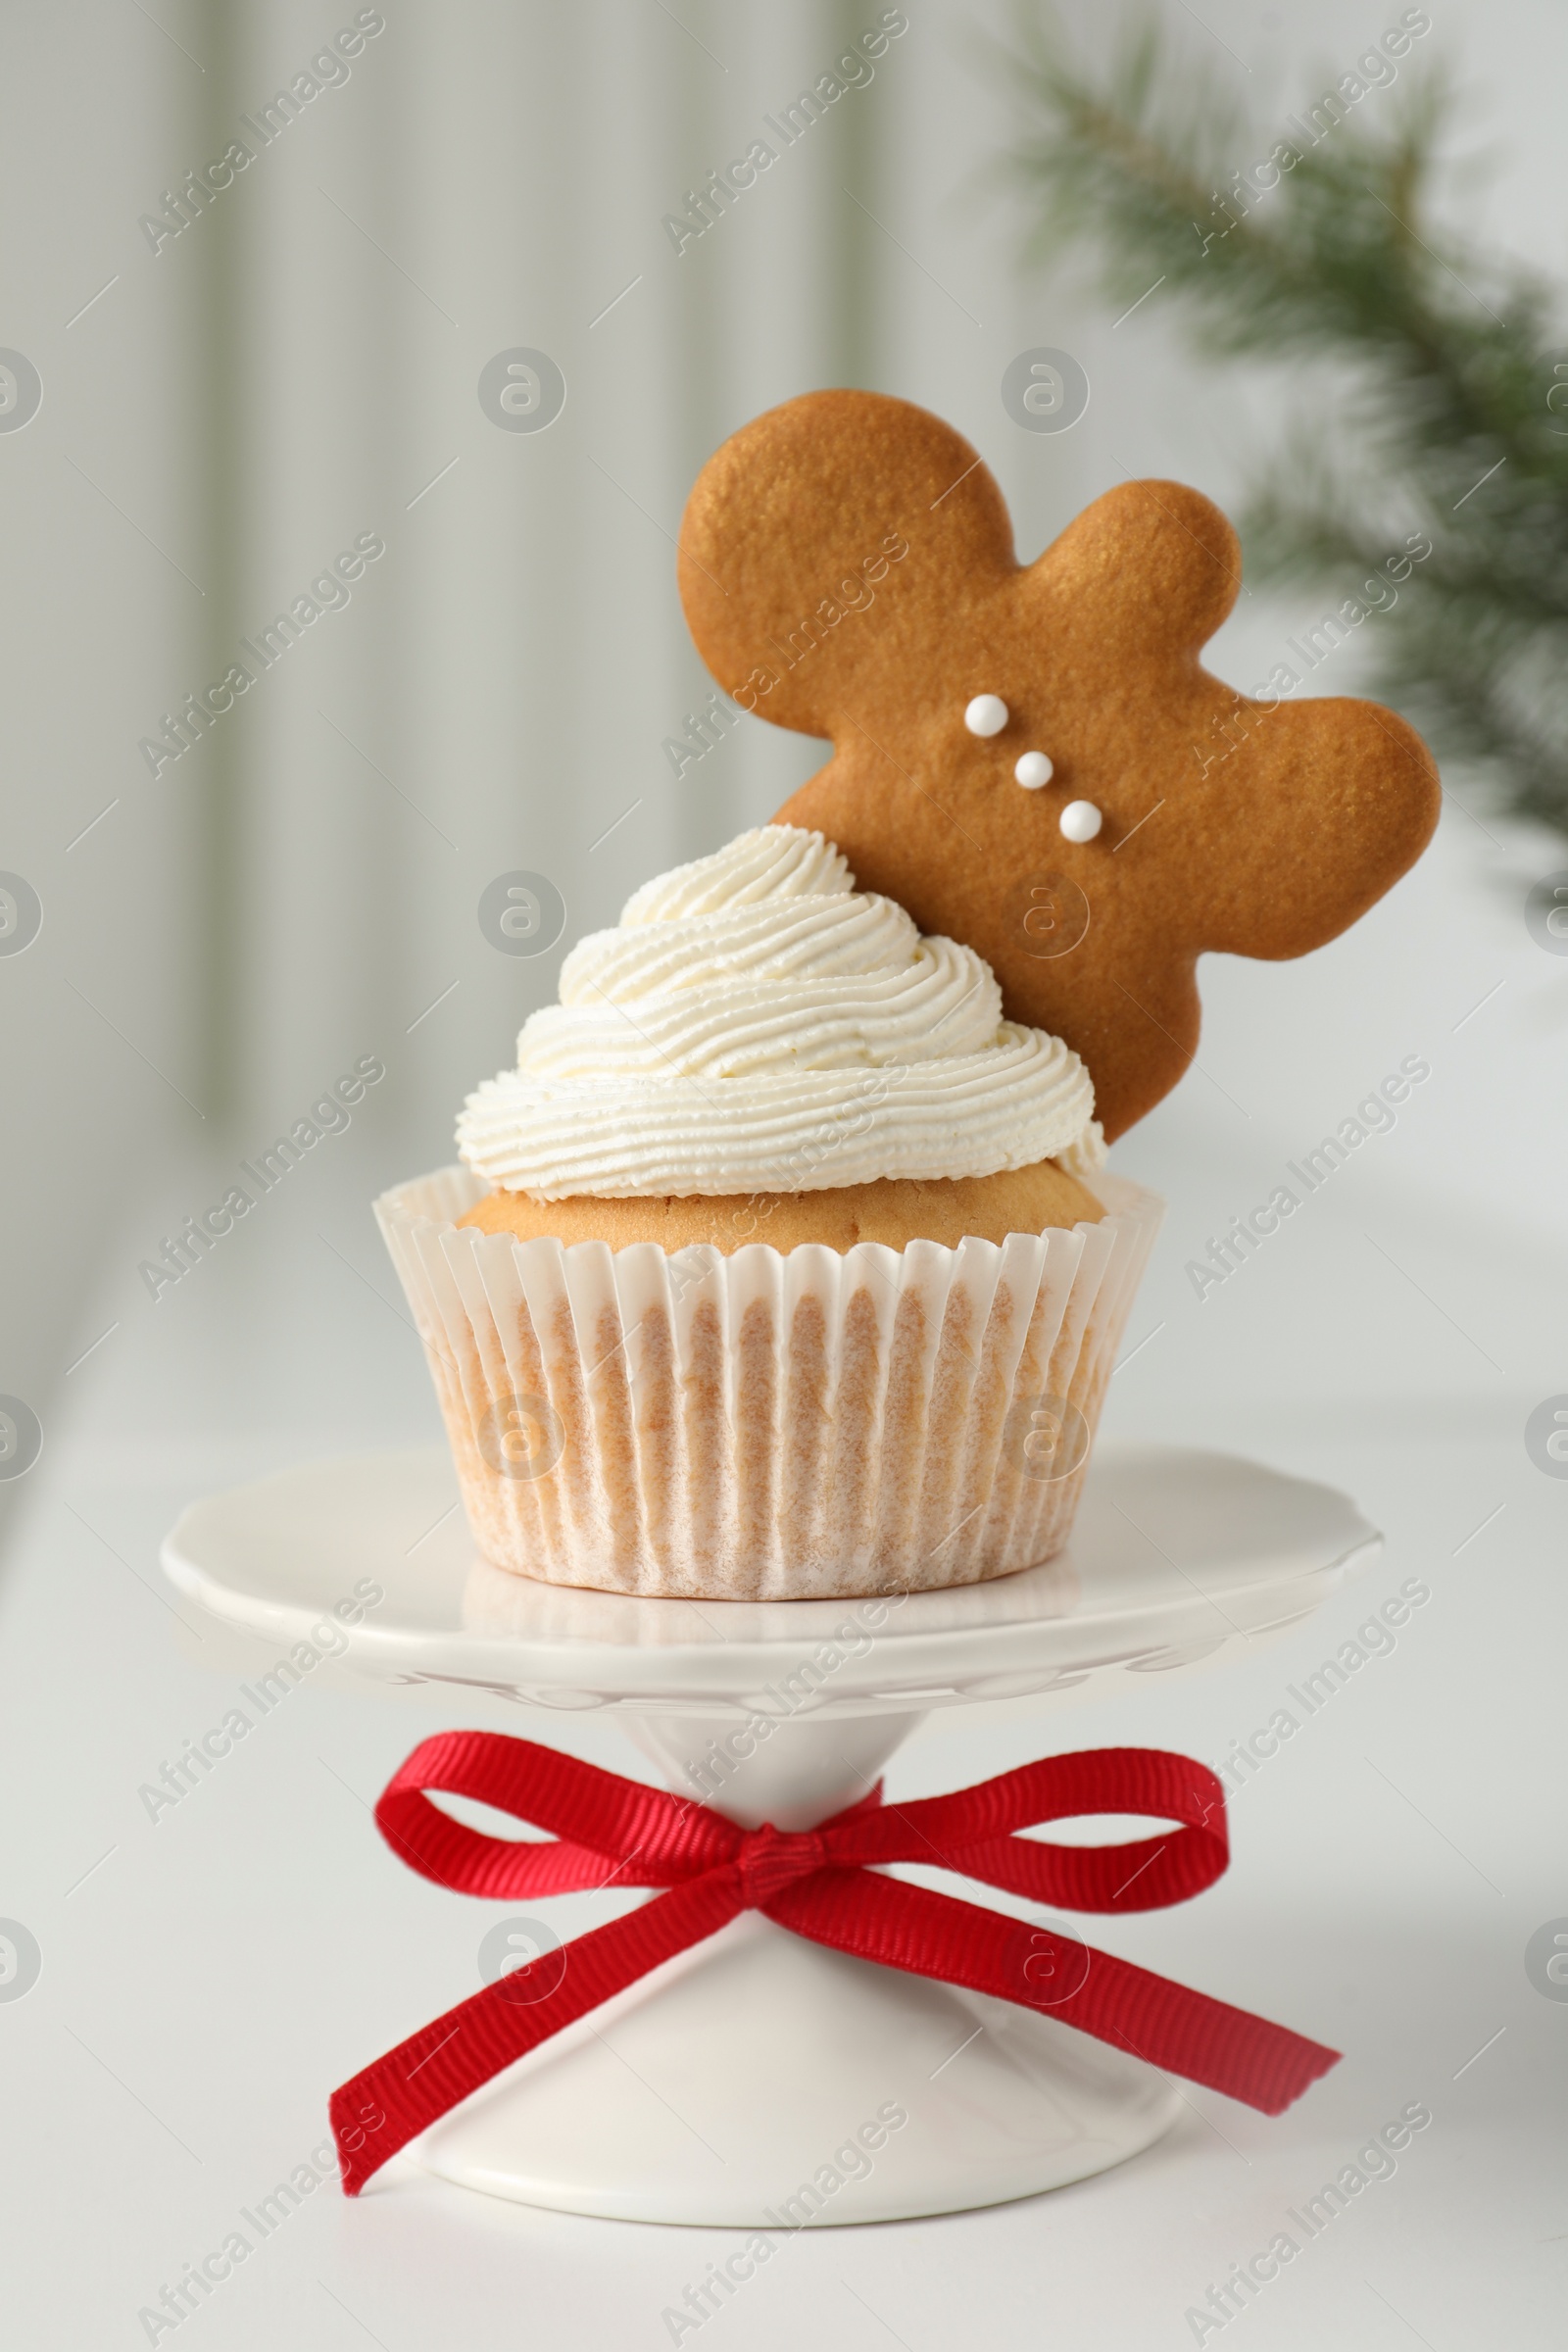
(761, 2081)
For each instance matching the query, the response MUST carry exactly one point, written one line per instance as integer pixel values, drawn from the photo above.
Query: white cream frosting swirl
(757, 1024)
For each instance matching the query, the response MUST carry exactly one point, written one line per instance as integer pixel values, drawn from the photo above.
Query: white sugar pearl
(986, 715)
(1032, 770)
(1081, 820)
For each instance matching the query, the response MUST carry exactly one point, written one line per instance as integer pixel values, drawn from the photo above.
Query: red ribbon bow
(824, 1883)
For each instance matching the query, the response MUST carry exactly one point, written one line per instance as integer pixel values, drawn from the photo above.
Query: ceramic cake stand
(714, 2090)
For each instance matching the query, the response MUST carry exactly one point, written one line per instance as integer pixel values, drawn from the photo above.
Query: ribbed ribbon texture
(824, 1883)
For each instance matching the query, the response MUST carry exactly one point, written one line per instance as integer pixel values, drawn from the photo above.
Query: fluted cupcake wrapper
(764, 1426)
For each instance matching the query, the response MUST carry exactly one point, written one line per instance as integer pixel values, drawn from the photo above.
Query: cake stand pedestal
(759, 2080)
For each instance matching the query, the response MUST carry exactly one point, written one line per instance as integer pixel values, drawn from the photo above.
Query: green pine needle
(1460, 391)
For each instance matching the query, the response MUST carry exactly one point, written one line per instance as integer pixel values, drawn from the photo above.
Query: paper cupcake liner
(760, 1426)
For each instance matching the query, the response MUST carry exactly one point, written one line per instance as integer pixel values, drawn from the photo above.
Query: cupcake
(784, 1264)
(781, 1265)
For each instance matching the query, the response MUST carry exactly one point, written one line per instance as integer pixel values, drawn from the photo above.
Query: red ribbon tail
(399, 2095)
(1168, 2026)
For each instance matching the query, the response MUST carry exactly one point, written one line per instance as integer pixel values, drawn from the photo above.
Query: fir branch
(1327, 251)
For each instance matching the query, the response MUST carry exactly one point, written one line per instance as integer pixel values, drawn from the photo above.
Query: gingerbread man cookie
(1031, 758)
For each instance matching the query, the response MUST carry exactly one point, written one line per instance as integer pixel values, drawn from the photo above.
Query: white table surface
(208, 1977)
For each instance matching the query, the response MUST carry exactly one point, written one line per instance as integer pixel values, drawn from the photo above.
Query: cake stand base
(764, 2082)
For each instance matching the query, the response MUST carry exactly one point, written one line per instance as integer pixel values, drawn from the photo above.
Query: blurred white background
(299, 366)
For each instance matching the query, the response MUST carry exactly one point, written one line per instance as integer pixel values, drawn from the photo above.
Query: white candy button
(1032, 770)
(1081, 820)
(986, 715)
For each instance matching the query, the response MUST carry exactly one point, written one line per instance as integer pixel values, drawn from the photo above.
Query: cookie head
(1032, 759)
